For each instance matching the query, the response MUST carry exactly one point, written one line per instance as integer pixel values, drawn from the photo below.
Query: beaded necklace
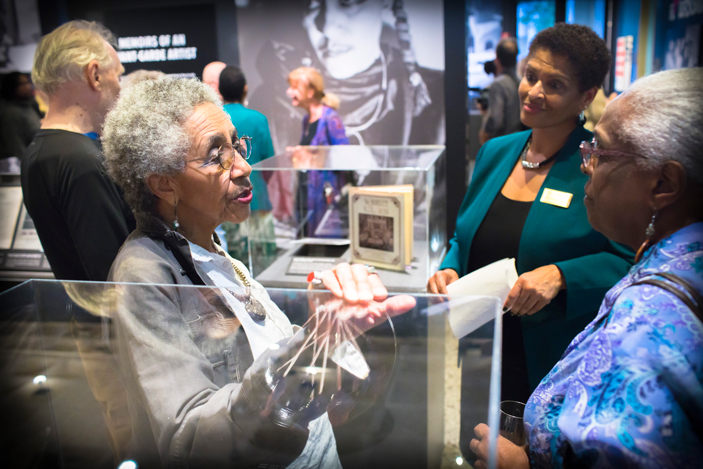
(252, 306)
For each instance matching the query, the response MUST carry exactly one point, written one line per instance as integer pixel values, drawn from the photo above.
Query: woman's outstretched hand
(534, 290)
(510, 455)
(438, 282)
(361, 296)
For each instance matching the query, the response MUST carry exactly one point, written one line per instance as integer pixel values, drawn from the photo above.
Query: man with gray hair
(79, 213)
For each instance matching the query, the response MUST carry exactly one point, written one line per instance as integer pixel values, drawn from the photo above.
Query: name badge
(558, 198)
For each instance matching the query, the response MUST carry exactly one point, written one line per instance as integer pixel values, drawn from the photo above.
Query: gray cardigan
(183, 355)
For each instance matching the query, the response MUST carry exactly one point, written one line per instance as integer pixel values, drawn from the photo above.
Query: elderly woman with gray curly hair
(203, 365)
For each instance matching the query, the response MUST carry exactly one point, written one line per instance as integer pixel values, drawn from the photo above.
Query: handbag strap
(694, 300)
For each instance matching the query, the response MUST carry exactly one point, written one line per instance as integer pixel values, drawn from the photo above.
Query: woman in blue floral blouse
(628, 391)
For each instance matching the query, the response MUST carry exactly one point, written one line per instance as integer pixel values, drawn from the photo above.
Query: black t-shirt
(498, 237)
(78, 211)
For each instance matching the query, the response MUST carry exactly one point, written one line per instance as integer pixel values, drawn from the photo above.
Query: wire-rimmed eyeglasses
(226, 153)
(589, 149)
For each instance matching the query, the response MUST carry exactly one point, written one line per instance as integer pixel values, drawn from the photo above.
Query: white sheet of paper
(482, 287)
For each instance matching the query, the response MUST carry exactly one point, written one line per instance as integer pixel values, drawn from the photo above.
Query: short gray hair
(144, 134)
(664, 120)
(62, 54)
(138, 76)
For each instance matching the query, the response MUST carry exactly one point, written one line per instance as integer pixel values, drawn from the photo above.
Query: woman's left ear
(588, 97)
(671, 184)
(162, 187)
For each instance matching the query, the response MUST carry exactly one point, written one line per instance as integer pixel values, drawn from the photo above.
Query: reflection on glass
(130, 385)
(309, 193)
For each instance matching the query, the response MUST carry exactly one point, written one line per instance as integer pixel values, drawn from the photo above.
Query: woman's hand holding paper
(438, 282)
(534, 290)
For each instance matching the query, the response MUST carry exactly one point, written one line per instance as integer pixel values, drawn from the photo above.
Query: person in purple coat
(321, 127)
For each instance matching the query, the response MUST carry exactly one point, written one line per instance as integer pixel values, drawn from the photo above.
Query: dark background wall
(53, 13)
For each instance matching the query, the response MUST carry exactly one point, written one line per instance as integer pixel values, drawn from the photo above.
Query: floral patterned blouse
(628, 391)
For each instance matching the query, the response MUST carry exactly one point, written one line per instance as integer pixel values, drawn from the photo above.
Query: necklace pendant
(530, 165)
(255, 309)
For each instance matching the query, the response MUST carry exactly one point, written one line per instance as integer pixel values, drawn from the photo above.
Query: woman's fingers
(354, 283)
(329, 280)
(392, 307)
(481, 431)
(532, 300)
(361, 277)
(346, 280)
(537, 306)
(513, 296)
(479, 445)
(538, 286)
(432, 285)
(365, 293)
(441, 283)
(379, 291)
(398, 305)
(438, 282)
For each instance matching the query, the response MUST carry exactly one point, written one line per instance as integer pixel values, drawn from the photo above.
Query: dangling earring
(175, 223)
(582, 116)
(649, 233)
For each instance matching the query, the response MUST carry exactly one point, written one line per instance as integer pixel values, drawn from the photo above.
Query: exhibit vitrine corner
(301, 222)
(80, 364)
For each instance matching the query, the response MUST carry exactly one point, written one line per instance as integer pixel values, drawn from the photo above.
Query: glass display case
(81, 371)
(300, 218)
(21, 253)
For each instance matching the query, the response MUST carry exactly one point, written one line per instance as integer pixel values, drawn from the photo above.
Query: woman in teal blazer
(565, 266)
(552, 235)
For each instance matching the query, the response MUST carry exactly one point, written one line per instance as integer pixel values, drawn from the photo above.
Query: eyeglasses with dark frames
(226, 153)
(589, 149)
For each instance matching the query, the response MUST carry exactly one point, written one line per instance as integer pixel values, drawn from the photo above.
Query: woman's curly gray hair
(144, 135)
(665, 120)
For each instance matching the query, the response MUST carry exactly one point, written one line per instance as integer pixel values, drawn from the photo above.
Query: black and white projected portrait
(376, 232)
(384, 59)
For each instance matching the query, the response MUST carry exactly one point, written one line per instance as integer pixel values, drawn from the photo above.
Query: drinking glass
(511, 422)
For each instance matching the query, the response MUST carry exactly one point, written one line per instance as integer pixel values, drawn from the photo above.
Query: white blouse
(216, 270)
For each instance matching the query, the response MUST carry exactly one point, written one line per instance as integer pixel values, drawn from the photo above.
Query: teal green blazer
(591, 263)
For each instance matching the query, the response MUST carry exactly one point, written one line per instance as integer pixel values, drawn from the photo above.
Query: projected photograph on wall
(383, 59)
(485, 25)
(532, 17)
